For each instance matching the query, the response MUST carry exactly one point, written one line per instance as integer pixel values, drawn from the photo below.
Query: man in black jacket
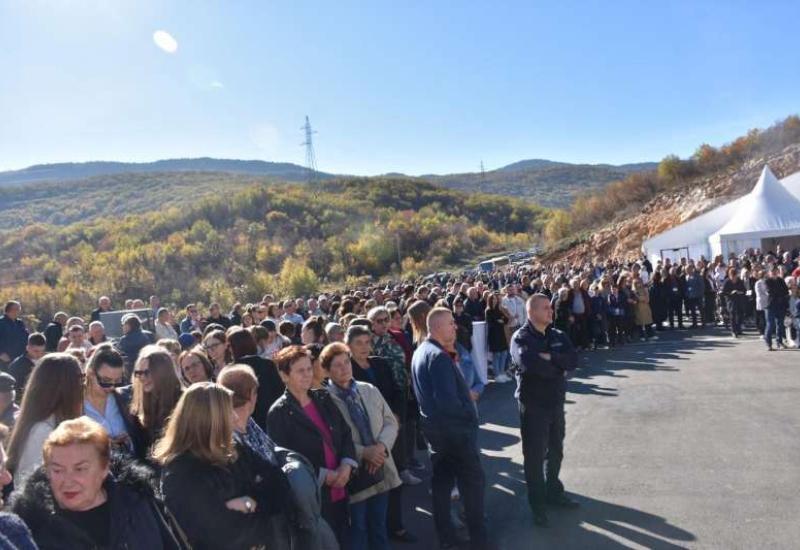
(21, 367)
(542, 355)
(777, 304)
(13, 334)
(55, 330)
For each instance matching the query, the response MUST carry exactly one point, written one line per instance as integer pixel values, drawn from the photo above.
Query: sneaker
(502, 378)
(409, 479)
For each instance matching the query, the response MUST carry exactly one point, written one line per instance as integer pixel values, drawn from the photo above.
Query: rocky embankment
(623, 237)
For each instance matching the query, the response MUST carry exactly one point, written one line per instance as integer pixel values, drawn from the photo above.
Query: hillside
(548, 183)
(237, 246)
(65, 193)
(65, 202)
(615, 222)
(80, 170)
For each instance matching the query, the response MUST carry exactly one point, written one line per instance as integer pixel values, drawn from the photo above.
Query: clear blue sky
(413, 86)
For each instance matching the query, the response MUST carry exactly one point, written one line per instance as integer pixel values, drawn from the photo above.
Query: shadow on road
(597, 524)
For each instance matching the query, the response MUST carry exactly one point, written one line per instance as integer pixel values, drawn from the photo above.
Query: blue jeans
(368, 523)
(775, 317)
(499, 362)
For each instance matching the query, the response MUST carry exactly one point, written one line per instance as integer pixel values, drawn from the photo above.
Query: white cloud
(217, 85)
(165, 41)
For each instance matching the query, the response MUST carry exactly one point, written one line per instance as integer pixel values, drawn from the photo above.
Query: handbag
(363, 480)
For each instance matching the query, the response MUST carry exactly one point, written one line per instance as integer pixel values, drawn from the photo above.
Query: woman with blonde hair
(417, 315)
(155, 392)
(643, 315)
(221, 494)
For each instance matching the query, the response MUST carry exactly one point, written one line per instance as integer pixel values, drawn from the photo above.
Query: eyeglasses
(106, 384)
(141, 373)
(381, 320)
(209, 347)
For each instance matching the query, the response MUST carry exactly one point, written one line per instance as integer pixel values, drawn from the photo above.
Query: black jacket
(476, 309)
(131, 344)
(542, 382)
(195, 491)
(270, 386)
(136, 522)
(52, 335)
(381, 377)
(141, 442)
(464, 330)
(496, 322)
(778, 293)
(21, 368)
(289, 427)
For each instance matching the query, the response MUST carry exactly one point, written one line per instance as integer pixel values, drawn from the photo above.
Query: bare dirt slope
(623, 237)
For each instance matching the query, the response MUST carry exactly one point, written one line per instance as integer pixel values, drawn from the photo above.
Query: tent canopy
(771, 209)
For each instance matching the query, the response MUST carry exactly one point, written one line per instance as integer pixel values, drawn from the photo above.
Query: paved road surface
(678, 443)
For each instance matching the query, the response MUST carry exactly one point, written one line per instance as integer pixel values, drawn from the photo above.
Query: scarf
(356, 410)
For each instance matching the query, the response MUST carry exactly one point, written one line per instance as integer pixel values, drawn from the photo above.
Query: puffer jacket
(137, 519)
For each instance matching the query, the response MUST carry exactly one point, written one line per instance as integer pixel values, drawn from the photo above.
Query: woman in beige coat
(643, 314)
(374, 429)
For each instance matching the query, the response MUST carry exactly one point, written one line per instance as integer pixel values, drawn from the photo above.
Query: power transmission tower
(483, 174)
(311, 161)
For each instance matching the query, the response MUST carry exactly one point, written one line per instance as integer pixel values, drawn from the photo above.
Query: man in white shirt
(164, 329)
(515, 305)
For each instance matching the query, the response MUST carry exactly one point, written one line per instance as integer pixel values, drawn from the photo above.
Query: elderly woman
(80, 499)
(221, 494)
(308, 529)
(374, 428)
(309, 422)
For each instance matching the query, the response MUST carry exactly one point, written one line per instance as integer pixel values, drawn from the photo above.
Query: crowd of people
(296, 423)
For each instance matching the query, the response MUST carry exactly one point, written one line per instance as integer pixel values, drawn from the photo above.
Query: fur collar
(35, 503)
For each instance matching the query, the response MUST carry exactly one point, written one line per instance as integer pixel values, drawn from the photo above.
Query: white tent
(770, 213)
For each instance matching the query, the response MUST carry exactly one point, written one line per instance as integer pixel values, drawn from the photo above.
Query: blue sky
(418, 87)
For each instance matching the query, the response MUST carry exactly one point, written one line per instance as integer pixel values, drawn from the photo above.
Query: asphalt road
(690, 441)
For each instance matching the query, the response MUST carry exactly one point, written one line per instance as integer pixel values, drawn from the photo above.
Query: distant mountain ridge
(549, 183)
(80, 170)
(546, 182)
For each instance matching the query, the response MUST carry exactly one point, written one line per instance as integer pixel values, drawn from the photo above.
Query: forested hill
(65, 202)
(551, 184)
(69, 171)
(238, 245)
(98, 188)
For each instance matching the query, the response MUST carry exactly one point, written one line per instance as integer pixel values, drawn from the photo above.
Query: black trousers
(543, 432)
(675, 310)
(693, 309)
(456, 461)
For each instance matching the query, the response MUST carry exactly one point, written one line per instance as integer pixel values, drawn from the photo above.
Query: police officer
(542, 355)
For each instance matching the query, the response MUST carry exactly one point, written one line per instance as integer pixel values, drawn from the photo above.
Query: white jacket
(762, 297)
(31, 456)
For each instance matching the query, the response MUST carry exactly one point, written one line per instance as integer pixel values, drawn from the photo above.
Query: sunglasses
(141, 373)
(106, 384)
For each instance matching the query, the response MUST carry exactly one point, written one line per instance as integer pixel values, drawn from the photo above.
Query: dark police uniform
(541, 387)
